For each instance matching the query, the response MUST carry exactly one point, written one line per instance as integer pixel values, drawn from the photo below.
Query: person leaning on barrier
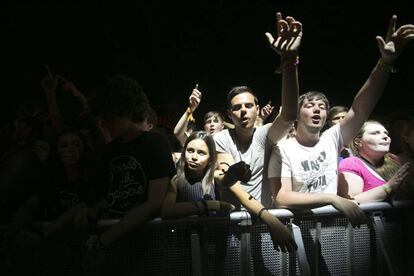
(373, 174)
(192, 191)
(248, 144)
(302, 170)
(137, 164)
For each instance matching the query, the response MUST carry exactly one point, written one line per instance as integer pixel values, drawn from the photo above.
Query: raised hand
(194, 99)
(69, 86)
(49, 83)
(395, 40)
(266, 111)
(289, 36)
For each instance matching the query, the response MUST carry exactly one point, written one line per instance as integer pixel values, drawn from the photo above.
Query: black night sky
(169, 46)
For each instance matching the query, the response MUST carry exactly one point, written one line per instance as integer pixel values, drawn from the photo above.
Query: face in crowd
(312, 114)
(213, 124)
(337, 118)
(70, 148)
(244, 110)
(373, 140)
(197, 157)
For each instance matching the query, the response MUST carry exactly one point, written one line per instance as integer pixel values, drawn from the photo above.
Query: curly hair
(123, 97)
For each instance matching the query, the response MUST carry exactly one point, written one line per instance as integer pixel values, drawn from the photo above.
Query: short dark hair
(239, 90)
(123, 97)
(313, 95)
(334, 110)
(213, 114)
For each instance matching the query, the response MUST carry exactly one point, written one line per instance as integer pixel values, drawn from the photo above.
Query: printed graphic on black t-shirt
(127, 184)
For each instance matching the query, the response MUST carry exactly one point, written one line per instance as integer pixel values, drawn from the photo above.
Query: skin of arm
(284, 197)
(351, 185)
(291, 31)
(181, 126)
(280, 235)
(368, 96)
(140, 214)
(49, 85)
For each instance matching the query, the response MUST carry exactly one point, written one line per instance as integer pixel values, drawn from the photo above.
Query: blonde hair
(389, 165)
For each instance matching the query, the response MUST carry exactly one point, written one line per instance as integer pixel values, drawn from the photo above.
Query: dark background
(170, 46)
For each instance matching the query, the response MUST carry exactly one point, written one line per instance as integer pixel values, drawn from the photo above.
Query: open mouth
(316, 119)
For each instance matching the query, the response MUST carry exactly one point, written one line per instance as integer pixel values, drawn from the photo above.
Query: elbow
(279, 201)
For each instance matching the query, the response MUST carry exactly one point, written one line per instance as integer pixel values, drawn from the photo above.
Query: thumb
(269, 38)
(381, 42)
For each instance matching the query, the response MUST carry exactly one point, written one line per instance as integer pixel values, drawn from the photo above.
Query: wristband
(259, 215)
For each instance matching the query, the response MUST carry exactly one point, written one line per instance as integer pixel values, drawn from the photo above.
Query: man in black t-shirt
(137, 164)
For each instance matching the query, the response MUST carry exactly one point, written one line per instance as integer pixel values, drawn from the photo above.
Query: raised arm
(70, 87)
(289, 36)
(368, 96)
(181, 127)
(49, 85)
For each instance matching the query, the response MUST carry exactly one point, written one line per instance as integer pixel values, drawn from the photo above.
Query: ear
(229, 114)
(357, 142)
(258, 110)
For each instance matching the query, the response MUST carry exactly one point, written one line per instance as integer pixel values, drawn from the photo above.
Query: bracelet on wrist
(387, 65)
(287, 64)
(259, 215)
(190, 115)
(387, 189)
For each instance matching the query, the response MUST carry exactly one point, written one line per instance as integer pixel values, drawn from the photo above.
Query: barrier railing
(241, 245)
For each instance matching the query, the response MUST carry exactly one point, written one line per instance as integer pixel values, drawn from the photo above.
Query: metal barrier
(241, 245)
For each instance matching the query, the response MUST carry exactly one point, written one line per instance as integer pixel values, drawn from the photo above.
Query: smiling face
(70, 148)
(243, 111)
(312, 115)
(374, 140)
(197, 157)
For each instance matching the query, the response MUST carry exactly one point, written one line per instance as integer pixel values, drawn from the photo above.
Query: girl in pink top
(373, 173)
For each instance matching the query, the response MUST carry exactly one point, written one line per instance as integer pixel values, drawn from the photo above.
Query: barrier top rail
(325, 211)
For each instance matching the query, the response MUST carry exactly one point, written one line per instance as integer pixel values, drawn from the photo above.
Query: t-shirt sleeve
(221, 141)
(278, 163)
(160, 163)
(351, 165)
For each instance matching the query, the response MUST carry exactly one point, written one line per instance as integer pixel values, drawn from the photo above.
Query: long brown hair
(208, 179)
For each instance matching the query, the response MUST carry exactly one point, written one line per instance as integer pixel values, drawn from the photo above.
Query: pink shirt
(356, 166)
